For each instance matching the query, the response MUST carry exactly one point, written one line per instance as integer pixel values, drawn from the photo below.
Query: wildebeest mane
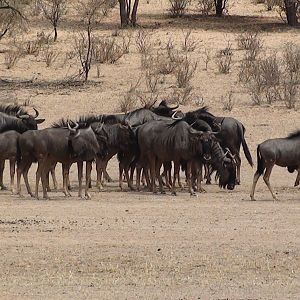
(63, 123)
(12, 109)
(294, 135)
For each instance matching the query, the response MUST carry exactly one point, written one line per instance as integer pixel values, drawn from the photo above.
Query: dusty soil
(134, 245)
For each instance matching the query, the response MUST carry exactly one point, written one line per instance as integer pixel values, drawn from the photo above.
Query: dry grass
(224, 59)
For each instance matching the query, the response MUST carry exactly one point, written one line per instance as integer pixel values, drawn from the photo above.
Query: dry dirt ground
(134, 245)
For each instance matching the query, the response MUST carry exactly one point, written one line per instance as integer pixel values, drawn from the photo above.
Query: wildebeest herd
(150, 142)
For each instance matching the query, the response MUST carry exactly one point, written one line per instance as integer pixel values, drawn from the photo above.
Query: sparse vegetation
(11, 58)
(189, 44)
(184, 72)
(143, 41)
(206, 6)
(49, 56)
(224, 59)
(178, 7)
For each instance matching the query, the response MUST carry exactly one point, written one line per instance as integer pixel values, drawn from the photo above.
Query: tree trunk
(55, 34)
(123, 13)
(291, 12)
(134, 12)
(219, 7)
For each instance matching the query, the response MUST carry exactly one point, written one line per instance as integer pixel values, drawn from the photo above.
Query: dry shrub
(49, 56)
(143, 41)
(189, 44)
(228, 102)
(178, 7)
(252, 42)
(207, 57)
(34, 47)
(11, 58)
(274, 79)
(126, 41)
(106, 50)
(246, 70)
(224, 59)
(184, 96)
(130, 98)
(206, 6)
(184, 72)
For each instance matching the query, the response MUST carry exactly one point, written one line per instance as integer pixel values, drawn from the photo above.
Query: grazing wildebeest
(231, 135)
(283, 152)
(8, 151)
(51, 145)
(165, 141)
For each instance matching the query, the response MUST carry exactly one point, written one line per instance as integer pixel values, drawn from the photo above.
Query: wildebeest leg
(199, 179)
(106, 175)
(45, 169)
(267, 179)
(207, 174)
(25, 175)
(88, 179)
(120, 176)
(52, 170)
(298, 178)
(65, 172)
(12, 163)
(255, 179)
(152, 165)
(188, 177)
(238, 168)
(38, 175)
(80, 175)
(2, 164)
(99, 174)
(159, 177)
(176, 172)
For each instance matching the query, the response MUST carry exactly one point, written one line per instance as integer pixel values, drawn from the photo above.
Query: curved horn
(175, 118)
(175, 107)
(36, 113)
(72, 130)
(18, 115)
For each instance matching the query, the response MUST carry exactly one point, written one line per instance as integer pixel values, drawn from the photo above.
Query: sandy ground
(134, 245)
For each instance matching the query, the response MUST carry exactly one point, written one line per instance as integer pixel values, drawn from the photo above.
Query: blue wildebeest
(51, 145)
(231, 134)
(283, 152)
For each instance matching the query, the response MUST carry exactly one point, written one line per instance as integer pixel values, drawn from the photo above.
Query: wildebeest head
(164, 110)
(83, 143)
(227, 174)
(30, 122)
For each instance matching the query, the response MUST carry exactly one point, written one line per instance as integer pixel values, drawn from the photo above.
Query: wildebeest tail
(260, 162)
(245, 146)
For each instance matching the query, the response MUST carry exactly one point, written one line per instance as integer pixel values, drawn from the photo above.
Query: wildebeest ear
(39, 121)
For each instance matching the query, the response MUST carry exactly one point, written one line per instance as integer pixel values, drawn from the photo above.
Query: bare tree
(128, 13)
(11, 16)
(292, 7)
(53, 11)
(84, 44)
(220, 6)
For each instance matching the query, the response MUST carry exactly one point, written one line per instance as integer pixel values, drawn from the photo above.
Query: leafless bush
(143, 41)
(147, 61)
(251, 42)
(178, 7)
(207, 57)
(228, 102)
(126, 41)
(106, 50)
(224, 59)
(130, 98)
(206, 6)
(246, 70)
(152, 80)
(32, 48)
(166, 61)
(184, 72)
(189, 44)
(11, 58)
(49, 56)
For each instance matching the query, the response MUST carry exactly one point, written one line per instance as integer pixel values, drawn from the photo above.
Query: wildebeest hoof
(193, 194)
(252, 198)
(174, 194)
(296, 183)
(208, 182)
(3, 188)
(163, 192)
(202, 190)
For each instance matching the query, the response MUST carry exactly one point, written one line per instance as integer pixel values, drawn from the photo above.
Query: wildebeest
(283, 152)
(165, 141)
(231, 134)
(8, 151)
(14, 117)
(51, 145)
